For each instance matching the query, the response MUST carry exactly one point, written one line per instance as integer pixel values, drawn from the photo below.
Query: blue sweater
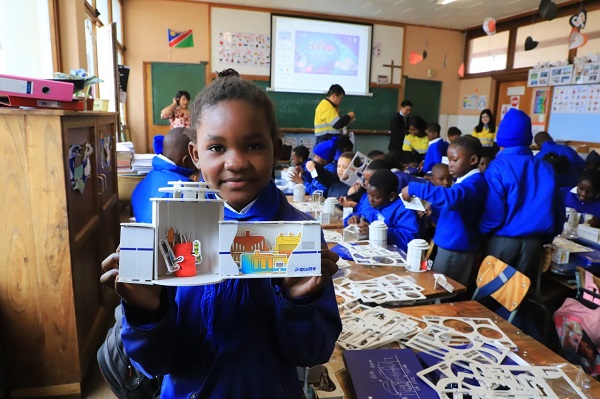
(576, 163)
(524, 199)
(258, 337)
(317, 185)
(306, 177)
(402, 223)
(435, 152)
(162, 172)
(572, 201)
(460, 208)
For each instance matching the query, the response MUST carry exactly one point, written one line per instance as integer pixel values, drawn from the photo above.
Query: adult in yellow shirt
(328, 122)
(485, 131)
(416, 141)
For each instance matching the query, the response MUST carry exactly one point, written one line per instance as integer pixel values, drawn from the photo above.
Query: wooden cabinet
(60, 219)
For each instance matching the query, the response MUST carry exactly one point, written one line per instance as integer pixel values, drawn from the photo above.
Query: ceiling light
(444, 2)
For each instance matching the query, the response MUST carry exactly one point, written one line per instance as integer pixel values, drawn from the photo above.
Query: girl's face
(342, 165)
(485, 119)
(235, 151)
(184, 102)
(586, 191)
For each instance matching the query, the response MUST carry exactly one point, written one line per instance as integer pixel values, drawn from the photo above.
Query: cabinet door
(80, 170)
(107, 159)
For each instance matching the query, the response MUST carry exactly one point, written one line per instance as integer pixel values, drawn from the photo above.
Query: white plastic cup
(572, 218)
(291, 185)
(329, 205)
(378, 233)
(298, 192)
(415, 256)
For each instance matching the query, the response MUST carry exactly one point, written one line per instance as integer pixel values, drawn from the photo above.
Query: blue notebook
(386, 373)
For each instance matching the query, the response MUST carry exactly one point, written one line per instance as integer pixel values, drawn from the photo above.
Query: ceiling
(460, 14)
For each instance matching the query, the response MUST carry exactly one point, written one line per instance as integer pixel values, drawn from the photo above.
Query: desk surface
(529, 349)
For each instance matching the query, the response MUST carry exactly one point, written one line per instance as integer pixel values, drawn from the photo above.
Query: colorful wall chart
(239, 48)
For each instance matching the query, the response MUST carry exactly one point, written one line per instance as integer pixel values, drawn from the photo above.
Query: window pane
(116, 13)
(488, 53)
(25, 48)
(553, 38)
(90, 50)
(102, 7)
(592, 30)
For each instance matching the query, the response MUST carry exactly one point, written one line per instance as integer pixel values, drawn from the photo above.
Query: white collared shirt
(434, 141)
(161, 156)
(471, 173)
(244, 210)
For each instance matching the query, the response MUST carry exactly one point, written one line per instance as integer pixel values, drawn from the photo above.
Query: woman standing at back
(485, 131)
(178, 112)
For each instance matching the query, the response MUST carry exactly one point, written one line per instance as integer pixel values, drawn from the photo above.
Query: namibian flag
(180, 39)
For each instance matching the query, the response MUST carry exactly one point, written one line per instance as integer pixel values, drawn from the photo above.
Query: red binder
(15, 101)
(42, 89)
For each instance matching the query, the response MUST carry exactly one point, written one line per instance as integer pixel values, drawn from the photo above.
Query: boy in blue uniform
(437, 147)
(576, 164)
(402, 223)
(524, 207)
(323, 159)
(299, 159)
(173, 163)
(460, 206)
(221, 340)
(585, 197)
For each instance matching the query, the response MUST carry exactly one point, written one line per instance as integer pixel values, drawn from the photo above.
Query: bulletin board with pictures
(552, 76)
(575, 113)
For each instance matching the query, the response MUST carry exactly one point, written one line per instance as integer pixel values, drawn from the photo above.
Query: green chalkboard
(296, 110)
(170, 77)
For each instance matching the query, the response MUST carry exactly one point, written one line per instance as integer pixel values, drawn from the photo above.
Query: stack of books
(142, 163)
(124, 156)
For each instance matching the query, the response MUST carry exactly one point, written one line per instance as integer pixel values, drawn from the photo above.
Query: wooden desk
(529, 349)
(423, 279)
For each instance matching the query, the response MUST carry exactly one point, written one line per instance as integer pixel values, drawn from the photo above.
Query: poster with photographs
(561, 75)
(238, 48)
(576, 99)
(538, 77)
(586, 73)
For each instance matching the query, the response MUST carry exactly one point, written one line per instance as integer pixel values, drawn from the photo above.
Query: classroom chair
(505, 284)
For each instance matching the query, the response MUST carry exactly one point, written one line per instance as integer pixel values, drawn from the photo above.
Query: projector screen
(309, 55)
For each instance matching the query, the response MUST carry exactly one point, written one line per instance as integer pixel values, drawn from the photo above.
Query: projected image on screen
(309, 55)
(325, 53)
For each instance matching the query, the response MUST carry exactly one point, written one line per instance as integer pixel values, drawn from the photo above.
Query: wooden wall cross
(392, 66)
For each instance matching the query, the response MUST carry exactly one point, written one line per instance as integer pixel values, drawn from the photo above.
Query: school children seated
(335, 187)
(436, 149)
(456, 233)
(524, 207)
(385, 205)
(173, 164)
(585, 197)
(440, 176)
(357, 194)
(546, 145)
(300, 156)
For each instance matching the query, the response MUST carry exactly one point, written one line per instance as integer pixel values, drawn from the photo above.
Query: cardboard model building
(189, 243)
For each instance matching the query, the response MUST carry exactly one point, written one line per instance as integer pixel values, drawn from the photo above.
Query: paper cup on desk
(329, 205)
(299, 192)
(378, 233)
(415, 256)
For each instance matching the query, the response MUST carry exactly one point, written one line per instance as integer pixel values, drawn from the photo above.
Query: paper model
(354, 172)
(189, 243)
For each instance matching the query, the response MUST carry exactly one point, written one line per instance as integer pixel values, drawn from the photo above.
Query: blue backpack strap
(493, 286)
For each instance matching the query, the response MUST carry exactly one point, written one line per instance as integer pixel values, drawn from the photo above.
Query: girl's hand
(174, 101)
(310, 166)
(298, 287)
(146, 297)
(296, 178)
(354, 220)
(363, 227)
(405, 195)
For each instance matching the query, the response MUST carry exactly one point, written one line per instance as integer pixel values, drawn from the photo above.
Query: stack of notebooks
(142, 163)
(124, 156)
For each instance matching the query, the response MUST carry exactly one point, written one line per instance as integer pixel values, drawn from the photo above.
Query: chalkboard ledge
(358, 132)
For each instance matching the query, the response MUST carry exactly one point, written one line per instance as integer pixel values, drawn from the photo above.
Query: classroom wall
(466, 119)
(445, 53)
(146, 23)
(72, 14)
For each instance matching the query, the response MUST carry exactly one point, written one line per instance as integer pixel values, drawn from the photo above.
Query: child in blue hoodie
(385, 205)
(241, 337)
(460, 206)
(585, 197)
(173, 163)
(437, 147)
(524, 207)
(323, 159)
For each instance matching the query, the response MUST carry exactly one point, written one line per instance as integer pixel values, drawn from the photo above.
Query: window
(488, 53)
(553, 42)
(25, 48)
(116, 17)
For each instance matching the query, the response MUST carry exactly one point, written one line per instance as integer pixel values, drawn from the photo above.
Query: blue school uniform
(306, 177)
(317, 185)
(402, 223)
(338, 189)
(163, 171)
(436, 150)
(576, 163)
(256, 339)
(572, 201)
(524, 199)
(460, 208)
